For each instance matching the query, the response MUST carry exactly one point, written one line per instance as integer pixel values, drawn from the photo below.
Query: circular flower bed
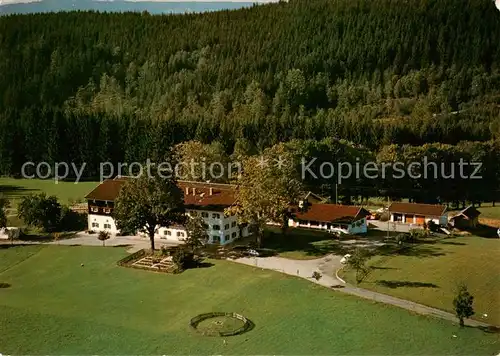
(220, 324)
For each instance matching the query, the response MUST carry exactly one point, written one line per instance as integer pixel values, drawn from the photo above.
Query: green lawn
(56, 306)
(14, 189)
(430, 272)
(488, 211)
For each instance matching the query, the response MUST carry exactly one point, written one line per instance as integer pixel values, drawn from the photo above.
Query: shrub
(316, 275)
(402, 238)
(417, 234)
(432, 226)
(385, 216)
(71, 220)
(184, 259)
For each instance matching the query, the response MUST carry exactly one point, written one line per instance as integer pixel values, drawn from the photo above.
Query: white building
(342, 218)
(207, 200)
(418, 214)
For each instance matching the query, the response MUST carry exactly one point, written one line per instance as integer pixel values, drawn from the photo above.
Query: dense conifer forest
(373, 75)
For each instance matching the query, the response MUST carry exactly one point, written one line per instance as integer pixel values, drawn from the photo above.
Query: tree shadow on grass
(13, 190)
(397, 284)
(453, 243)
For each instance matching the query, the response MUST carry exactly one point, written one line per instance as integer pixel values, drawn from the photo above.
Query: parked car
(344, 259)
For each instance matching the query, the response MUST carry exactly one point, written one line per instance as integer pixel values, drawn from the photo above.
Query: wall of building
(228, 230)
(349, 228)
(101, 221)
(442, 220)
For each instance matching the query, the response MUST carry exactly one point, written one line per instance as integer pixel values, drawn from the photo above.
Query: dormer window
(94, 209)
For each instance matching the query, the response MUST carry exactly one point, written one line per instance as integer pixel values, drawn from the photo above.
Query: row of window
(226, 227)
(216, 238)
(106, 226)
(204, 214)
(95, 209)
(169, 233)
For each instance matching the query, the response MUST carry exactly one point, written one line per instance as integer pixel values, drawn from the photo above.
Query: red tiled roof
(332, 213)
(195, 193)
(418, 209)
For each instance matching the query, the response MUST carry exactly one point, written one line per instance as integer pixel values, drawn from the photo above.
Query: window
(215, 239)
(94, 224)
(167, 232)
(226, 226)
(215, 216)
(94, 209)
(107, 210)
(216, 227)
(204, 214)
(233, 235)
(233, 224)
(180, 234)
(107, 226)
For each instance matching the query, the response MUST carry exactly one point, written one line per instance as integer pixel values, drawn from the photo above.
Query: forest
(390, 79)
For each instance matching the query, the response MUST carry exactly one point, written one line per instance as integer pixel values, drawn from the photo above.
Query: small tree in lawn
(197, 234)
(463, 304)
(103, 236)
(147, 202)
(357, 261)
(4, 205)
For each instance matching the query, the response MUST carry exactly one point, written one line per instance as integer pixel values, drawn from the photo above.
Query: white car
(344, 259)
(253, 253)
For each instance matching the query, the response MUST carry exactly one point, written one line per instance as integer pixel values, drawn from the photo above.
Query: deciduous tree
(463, 304)
(40, 211)
(148, 202)
(269, 185)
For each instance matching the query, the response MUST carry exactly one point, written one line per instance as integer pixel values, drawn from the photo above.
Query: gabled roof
(470, 213)
(196, 194)
(310, 194)
(418, 209)
(332, 213)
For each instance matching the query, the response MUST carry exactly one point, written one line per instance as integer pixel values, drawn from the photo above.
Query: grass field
(66, 192)
(55, 306)
(14, 189)
(429, 274)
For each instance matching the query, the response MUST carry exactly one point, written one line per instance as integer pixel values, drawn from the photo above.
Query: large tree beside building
(148, 202)
(269, 185)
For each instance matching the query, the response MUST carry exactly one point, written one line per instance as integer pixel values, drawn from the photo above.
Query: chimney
(211, 191)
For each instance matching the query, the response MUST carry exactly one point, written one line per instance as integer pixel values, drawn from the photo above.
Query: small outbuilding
(418, 214)
(331, 217)
(466, 219)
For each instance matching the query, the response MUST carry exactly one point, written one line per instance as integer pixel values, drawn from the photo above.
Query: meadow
(76, 300)
(430, 271)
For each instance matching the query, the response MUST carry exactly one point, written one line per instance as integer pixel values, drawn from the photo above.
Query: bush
(184, 259)
(403, 238)
(71, 220)
(316, 275)
(385, 216)
(417, 234)
(432, 226)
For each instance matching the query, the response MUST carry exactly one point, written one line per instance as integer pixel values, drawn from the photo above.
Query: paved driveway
(398, 227)
(300, 268)
(135, 242)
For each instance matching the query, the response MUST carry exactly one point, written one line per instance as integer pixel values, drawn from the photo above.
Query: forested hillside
(87, 86)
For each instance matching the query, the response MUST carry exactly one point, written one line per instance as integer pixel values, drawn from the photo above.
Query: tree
(103, 236)
(463, 304)
(268, 186)
(40, 211)
(4, 205)
(196, 230)
(148, 202)
(357, 261)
